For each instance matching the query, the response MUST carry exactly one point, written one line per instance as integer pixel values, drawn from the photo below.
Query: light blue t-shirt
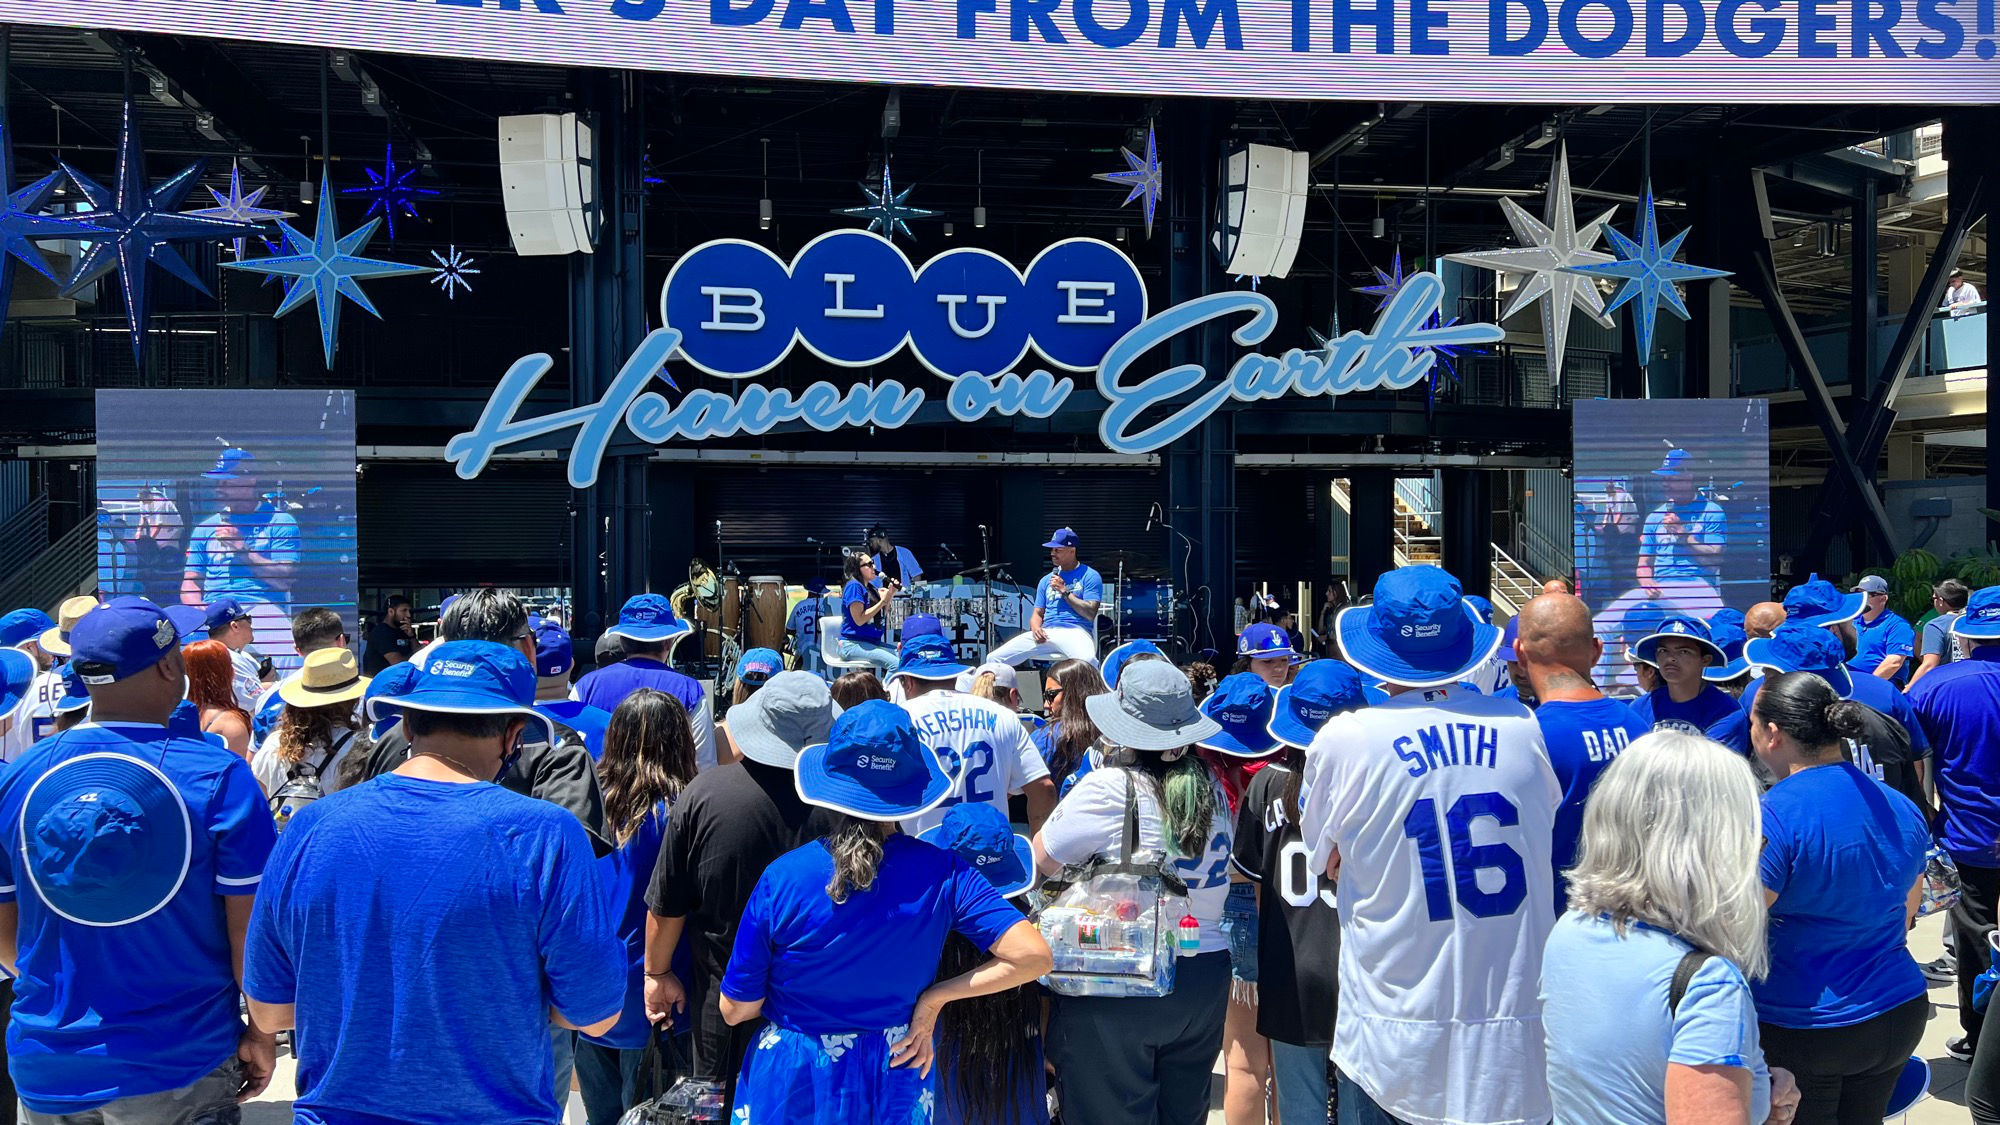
(405, 912)
(1085, 583)
(1610, 1036)
(274, 535)
(1582, 738)
(1886, 636)
(1701, 522)
(1842, 850)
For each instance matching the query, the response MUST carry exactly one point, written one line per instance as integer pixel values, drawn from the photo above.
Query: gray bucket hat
(1152, 708)
(791, 711)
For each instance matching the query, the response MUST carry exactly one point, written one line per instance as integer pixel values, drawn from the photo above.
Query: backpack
(1114, 923)
(302, 783)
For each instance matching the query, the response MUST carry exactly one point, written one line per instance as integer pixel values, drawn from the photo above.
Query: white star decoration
(888, 211)
(1550, 248)
(453, 267)
(239, 206)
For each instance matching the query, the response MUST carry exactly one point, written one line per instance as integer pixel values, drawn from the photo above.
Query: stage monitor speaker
(1262, 213)
(546, 182)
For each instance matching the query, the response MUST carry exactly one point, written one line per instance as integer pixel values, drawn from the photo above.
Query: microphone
(813, 541)
(982, 529)
(1149, 516)
(718, 527)
(948, 552)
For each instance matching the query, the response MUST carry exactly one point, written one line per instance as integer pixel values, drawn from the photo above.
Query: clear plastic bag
(1113, 926)
(1941, 883)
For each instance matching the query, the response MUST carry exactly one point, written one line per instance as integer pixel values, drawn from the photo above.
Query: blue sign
(734, 310)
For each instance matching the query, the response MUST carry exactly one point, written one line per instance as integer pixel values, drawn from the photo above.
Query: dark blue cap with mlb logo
(223, 611)
(872, 766)
(121, 638)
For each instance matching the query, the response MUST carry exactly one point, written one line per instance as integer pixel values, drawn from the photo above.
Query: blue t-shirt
(1701, 522)
(824, 968)
(1711, 712)
(608, 686)
(1958, 706)
(406, 912)
(582, 718)
(274, 535)
(103, 1012)
(1084, 583)
(853, 592)
(1610, 1035)
(1842, 851)
(1886, 636)
(1582, 738)
(625, 874)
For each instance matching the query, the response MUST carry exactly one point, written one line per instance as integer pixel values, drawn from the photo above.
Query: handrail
(24, 535)
(68, 563)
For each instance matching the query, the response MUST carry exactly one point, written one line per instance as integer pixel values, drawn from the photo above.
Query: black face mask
(513, 755)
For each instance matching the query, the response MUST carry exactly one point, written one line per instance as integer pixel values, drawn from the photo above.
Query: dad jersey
(983, 746)
(1441, 803)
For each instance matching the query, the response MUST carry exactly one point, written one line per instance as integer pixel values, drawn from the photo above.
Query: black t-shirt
(728, 826)
(1298, 933)
(384, 639)
(1884, 751)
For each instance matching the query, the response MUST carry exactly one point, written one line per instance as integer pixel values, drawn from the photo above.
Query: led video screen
(1673, 514)
(203, 494)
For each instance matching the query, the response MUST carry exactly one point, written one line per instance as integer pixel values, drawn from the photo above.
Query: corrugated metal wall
(422, 526)
(1547, 526)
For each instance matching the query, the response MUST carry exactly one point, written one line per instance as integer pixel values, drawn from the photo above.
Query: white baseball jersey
(1442, 805)
(34, 718)
(983, 746)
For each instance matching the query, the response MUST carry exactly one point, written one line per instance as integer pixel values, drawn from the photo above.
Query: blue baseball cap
(1417, 632)
(816, 586)
(1670, 466)
(1685, 628)
(922, 625)
(24, 625)
(1117, 658)
(469, 678)
(928, 657)
(555, 653)
(1242, 704)
(1981, 620)
(223, 611)
(981, 836)
(231, 464)
(1819, 602)
(396, 679)
(759, 665)
(1321, 690)
(121, 638)
(1510, 635)
(76, 694)
(1063, 537)
(1480, 607)
(188, 620)
(872, 766)
(1803, 648)
(106, 838)
(1263, 639)
(649, 619)
(445, 603)
(1725, 628)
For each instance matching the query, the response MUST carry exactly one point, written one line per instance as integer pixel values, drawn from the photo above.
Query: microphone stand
(986, 585)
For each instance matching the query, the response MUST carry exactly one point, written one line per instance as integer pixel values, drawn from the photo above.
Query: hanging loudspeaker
(546, 178)
(1262, 212)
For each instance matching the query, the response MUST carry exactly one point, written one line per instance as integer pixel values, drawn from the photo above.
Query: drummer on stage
(1062, 625)
(892, 561)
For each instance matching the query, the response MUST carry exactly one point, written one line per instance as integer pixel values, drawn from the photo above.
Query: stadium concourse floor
(1945, 1106)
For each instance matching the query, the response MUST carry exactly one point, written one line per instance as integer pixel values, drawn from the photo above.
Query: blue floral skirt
(791, 1078)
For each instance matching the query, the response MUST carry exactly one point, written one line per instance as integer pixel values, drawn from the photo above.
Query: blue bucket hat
(1264, 639)
(24, 625)
(555, 652)
(106, 839)
(1117, 658)
(394, 680)
(1510, 636)
(1725, 628)
(1242, 705)
(76, 695)
(758, 665)
(928, 657)
(981, 836)
(1819, 602)
(1685, 628)
(1803, 648)
(922, 625)
(1063, 537)
(231, 464)
(1981, 620)
(649, 619)
(469, 678)
(1480, 607)
(17, 672)
(1417, 632)
(872, 766)
(189, 621)
(223, 611)
(1670, 466)
(1320, 691)
(121, 638)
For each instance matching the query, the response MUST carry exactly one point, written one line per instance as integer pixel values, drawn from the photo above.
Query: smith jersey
(1441, 804)
(983, 746)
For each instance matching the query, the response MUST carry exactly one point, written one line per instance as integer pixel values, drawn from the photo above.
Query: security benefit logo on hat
(106, 839)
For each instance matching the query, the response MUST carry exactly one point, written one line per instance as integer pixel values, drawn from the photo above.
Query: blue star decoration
(21, 221)
(238, 207)
(1387, 285)
(453, 267)
(327, 267)
(1648, 272)
(1148, 181)
(888, 210)
(389, 191)
(137, 227)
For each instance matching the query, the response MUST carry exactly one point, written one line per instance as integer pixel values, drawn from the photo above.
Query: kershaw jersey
(34, 717)
(1441, 803)
(983, 746)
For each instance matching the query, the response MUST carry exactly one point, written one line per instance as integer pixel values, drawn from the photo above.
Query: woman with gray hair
(1646, 1000)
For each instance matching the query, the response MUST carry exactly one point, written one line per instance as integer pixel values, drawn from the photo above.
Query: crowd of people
(1436, 875)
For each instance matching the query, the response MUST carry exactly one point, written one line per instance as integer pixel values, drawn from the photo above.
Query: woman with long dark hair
(1068, 738)
(318, 727)
(839, 945)
(853, 689)
(649, 759)
(211, 688)
(862, 604)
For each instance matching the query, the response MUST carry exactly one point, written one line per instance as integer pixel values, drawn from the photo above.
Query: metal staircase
(40, 573)
(1418, 541)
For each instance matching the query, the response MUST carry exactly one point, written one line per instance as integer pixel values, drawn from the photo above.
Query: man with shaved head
(1557, 586)
(1763, 619)
(1583, 727)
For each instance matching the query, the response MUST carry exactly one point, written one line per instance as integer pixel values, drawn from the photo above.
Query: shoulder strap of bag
(1691, 963)
(1131, 819)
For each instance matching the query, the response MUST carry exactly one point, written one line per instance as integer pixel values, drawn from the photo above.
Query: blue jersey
(1886, 636)
(1958, 706)
(608, 686)
(803, 625)
(587, 721)
(220, 571)
(1084, 583)
(1712, 712)
(140, 996)
(1582, 738)
(908, 569)
(1701, 521)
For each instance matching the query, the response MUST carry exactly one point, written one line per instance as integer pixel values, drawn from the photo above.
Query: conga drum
(729, 614)
(766, 627)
